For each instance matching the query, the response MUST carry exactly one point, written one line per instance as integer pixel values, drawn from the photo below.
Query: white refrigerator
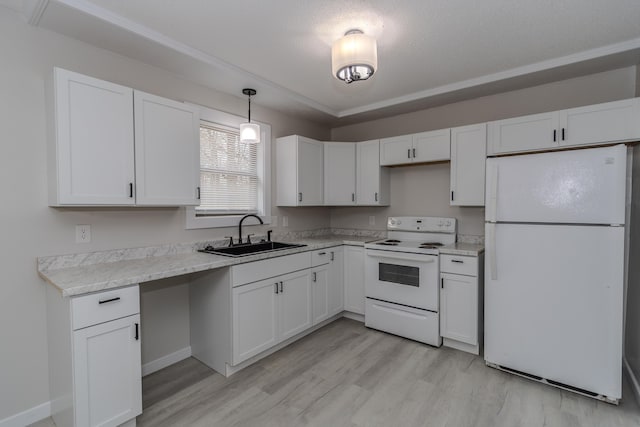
(554, 270)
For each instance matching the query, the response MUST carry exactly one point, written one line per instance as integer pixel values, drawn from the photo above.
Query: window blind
(228, 173)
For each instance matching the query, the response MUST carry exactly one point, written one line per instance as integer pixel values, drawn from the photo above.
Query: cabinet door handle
(414, 153)
(442, 283)
(322, 253)
(333, 255)
(563, 134)
(555, 132)
(198, 193)
(408, 153)
(452, 196)
(353, 197)
(299, 197)
(276, 285)
(137, 332)
(459, 261)
(375, 196)
(315, 276)
(131, 189)
(104, 301)
(281, 287)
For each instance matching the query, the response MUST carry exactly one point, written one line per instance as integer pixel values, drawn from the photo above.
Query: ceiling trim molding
(140, 30)
(586, 55)
(33, 10)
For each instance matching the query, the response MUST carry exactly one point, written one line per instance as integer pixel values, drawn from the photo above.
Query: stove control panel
(422, 223)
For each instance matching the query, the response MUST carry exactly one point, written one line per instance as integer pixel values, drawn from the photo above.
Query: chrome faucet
(240, 227)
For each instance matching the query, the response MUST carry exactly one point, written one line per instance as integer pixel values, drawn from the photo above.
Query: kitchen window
(234, 176)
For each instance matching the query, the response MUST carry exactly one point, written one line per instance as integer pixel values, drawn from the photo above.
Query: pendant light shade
(354, 57)
(249, 132)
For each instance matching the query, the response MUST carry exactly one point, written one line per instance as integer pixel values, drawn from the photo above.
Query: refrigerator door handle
(492, 191)
(492, 263)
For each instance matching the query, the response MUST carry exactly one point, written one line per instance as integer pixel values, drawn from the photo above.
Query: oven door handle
(405, 256)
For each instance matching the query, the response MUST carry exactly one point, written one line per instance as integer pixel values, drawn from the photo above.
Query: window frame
(264, 173)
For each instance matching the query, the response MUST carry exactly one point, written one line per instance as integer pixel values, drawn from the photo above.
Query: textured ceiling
(426, 48)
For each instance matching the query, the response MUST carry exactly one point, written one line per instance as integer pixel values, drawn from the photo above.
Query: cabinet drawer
(260, 270)
(457, 264)
(104, 306)
(321, 256)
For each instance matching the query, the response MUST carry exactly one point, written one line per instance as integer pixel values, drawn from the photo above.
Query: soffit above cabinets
(429, 53)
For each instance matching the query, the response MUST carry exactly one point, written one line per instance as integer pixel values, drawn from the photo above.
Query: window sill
(194, 222)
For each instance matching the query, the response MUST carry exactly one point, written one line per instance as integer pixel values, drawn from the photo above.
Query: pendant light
(249, 132)
(354, 57)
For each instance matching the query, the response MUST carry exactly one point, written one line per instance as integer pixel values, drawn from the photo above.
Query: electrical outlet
(83, 233)
(372, 220)
(285, 221)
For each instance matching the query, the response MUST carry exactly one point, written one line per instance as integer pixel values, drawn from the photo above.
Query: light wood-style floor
(347, 375)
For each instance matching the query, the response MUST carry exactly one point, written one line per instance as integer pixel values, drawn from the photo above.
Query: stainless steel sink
(249, 249)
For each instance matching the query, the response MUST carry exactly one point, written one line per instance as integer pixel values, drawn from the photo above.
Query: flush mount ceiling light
(249, 132)
(354, 57)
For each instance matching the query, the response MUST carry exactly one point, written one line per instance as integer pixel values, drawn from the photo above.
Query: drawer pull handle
(137, 332)
(322, 253)
(458, 261)
(109, 300)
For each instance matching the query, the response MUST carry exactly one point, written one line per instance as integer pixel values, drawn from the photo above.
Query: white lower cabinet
(354, 279)
(336, 281)
(320, 288)
(268, 312)
(94, 357)
(461, 302)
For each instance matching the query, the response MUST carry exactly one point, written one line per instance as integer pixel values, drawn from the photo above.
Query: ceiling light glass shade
(250, 133)
(354, 57)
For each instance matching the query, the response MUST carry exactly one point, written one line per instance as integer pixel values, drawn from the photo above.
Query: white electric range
(402, 286)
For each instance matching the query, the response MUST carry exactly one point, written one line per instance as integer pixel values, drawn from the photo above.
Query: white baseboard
(29, 416)
(635, 382)
(353, 316)
(164, 361)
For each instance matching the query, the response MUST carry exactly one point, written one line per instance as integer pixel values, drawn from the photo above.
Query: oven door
(403, 278)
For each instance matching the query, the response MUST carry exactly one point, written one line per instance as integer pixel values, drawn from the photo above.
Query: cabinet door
(354, 279)
(372, 183)
(107, 372)
(609, 122)
(320, 289)
(336, 281)
(339, 173)
(255, 308)
(459, 308)
(431, 146)
(527, 133)
(396, 150)
(93, 156)
(167, 135)
(310, 172)
(295, 304)
(468, 158)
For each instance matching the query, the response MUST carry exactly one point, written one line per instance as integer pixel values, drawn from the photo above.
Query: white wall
(424, 189)
(28, 228)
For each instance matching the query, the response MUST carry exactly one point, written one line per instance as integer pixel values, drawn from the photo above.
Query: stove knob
(399, 222)
(392, 222)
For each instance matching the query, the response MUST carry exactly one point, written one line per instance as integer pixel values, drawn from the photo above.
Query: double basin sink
(250, 248)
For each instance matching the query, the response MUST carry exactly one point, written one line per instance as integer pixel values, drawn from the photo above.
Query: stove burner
(387, 243)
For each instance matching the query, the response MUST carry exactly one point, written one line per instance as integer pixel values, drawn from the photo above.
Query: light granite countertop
(460, 248)
(98, 276)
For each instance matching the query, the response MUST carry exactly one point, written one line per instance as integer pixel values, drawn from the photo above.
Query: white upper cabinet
(167, 147)
(91, 153)
(594, 124)
(372, 181)
(468, 158)
(617, 121)
(300, 171)
(527, 133)
(98, 155)
(422, 147)
(339, 173)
